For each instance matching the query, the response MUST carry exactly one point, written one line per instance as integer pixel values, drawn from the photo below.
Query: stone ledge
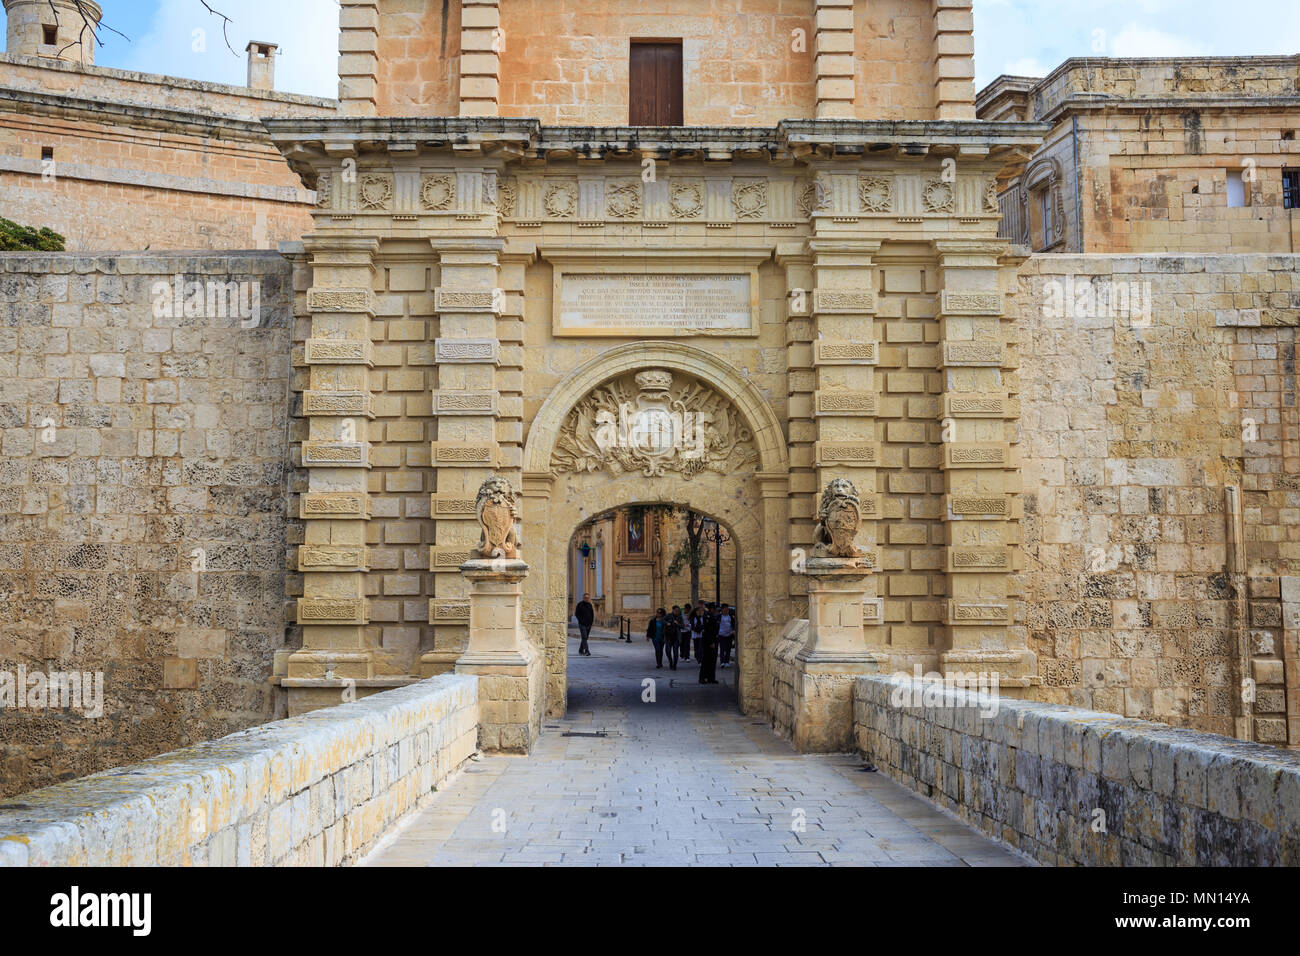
(318, 789)
(1036, 775)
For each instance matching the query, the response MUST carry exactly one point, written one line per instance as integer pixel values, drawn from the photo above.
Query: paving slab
(685, 780)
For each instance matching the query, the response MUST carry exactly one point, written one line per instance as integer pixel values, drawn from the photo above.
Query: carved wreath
(376, 192)
(686, 200)
(325, 191)
(937, 196)
(876, 193)
(623, 200)
(438, 192)
(814, 196)
(560, 200)
(750, 200)
(507, 195)
(991, 196)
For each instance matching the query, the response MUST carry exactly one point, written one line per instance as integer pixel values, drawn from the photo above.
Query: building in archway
(634, 561)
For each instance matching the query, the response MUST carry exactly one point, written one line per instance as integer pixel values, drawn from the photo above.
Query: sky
(1023, 37)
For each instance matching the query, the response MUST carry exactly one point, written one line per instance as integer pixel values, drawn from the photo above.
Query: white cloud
(1026, 66)
(1139, 41)
(185, 40)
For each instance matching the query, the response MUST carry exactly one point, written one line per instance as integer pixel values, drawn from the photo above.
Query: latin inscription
(665, 303)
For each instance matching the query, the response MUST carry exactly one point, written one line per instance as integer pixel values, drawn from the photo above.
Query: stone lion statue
(497, 514)
(838, 518)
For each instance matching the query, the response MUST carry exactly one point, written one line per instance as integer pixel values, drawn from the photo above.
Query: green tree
(16, 238)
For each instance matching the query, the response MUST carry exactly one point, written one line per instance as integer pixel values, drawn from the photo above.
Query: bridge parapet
(1071, 786)
(317, 790)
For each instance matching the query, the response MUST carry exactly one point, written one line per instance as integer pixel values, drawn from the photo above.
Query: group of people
(707, 628)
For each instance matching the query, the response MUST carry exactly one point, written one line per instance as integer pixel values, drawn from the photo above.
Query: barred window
(1291, 188)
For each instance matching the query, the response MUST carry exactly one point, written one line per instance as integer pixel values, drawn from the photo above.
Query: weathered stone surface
(1148, 793)
(318, 789)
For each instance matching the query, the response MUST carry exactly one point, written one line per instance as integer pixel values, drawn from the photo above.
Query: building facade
(1155, 155)
(838, 293)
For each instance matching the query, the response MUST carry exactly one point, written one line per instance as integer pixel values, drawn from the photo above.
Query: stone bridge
(684, 778)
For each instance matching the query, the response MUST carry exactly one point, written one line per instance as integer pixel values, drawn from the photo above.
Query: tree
(18, 238)
(89, 25)
(692, 552)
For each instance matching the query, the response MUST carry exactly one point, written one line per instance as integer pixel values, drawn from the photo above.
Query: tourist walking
(672, 635)
(654, 633)
(726, 634)
(684, 642)
(697, 628)
(709, 646)
(585, 614)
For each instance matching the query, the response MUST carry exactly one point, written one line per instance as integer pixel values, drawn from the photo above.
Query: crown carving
(656, 380)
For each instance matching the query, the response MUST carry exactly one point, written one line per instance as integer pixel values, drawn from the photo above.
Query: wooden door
(655, 80)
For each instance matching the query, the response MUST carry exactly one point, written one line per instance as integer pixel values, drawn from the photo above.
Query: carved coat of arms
(654, 424)
(497, 514)
(838, 518)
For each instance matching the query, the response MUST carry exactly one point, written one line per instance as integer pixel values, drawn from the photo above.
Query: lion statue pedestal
(510, 702)
(836, 650)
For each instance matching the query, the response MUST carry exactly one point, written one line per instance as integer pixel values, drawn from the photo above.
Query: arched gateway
(658, 423)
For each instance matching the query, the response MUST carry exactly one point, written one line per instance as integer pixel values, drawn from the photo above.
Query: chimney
(57, 29)
(261, 65)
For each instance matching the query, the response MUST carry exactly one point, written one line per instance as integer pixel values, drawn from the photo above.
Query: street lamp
(714, 532)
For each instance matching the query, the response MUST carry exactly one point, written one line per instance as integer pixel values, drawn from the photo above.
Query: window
(51, 35)
(1236, 189)
(1291, 188)
(1045, 210)
(47, 153)
(655, 84)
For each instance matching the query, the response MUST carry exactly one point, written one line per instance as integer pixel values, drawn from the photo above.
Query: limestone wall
(142, 503)
(782, 674)
(1076, 787)
(316, 790)
(1160, 469)
(114, 159)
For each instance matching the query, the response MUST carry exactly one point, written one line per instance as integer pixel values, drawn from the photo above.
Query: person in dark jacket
(709, 647)
(656, 632)
(585, 614)
(672, 634)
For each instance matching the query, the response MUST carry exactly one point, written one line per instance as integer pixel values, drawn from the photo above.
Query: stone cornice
(310, 143)
(164, 82)
(1093, 102)
(150, 179)
(112, 112)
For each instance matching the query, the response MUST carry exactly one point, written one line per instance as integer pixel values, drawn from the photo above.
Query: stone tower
(58, 29)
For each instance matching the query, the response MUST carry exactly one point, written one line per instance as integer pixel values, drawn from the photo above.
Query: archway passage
(633, 562)
(648, 425)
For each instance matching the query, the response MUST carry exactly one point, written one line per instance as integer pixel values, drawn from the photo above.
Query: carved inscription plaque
(638, 304)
